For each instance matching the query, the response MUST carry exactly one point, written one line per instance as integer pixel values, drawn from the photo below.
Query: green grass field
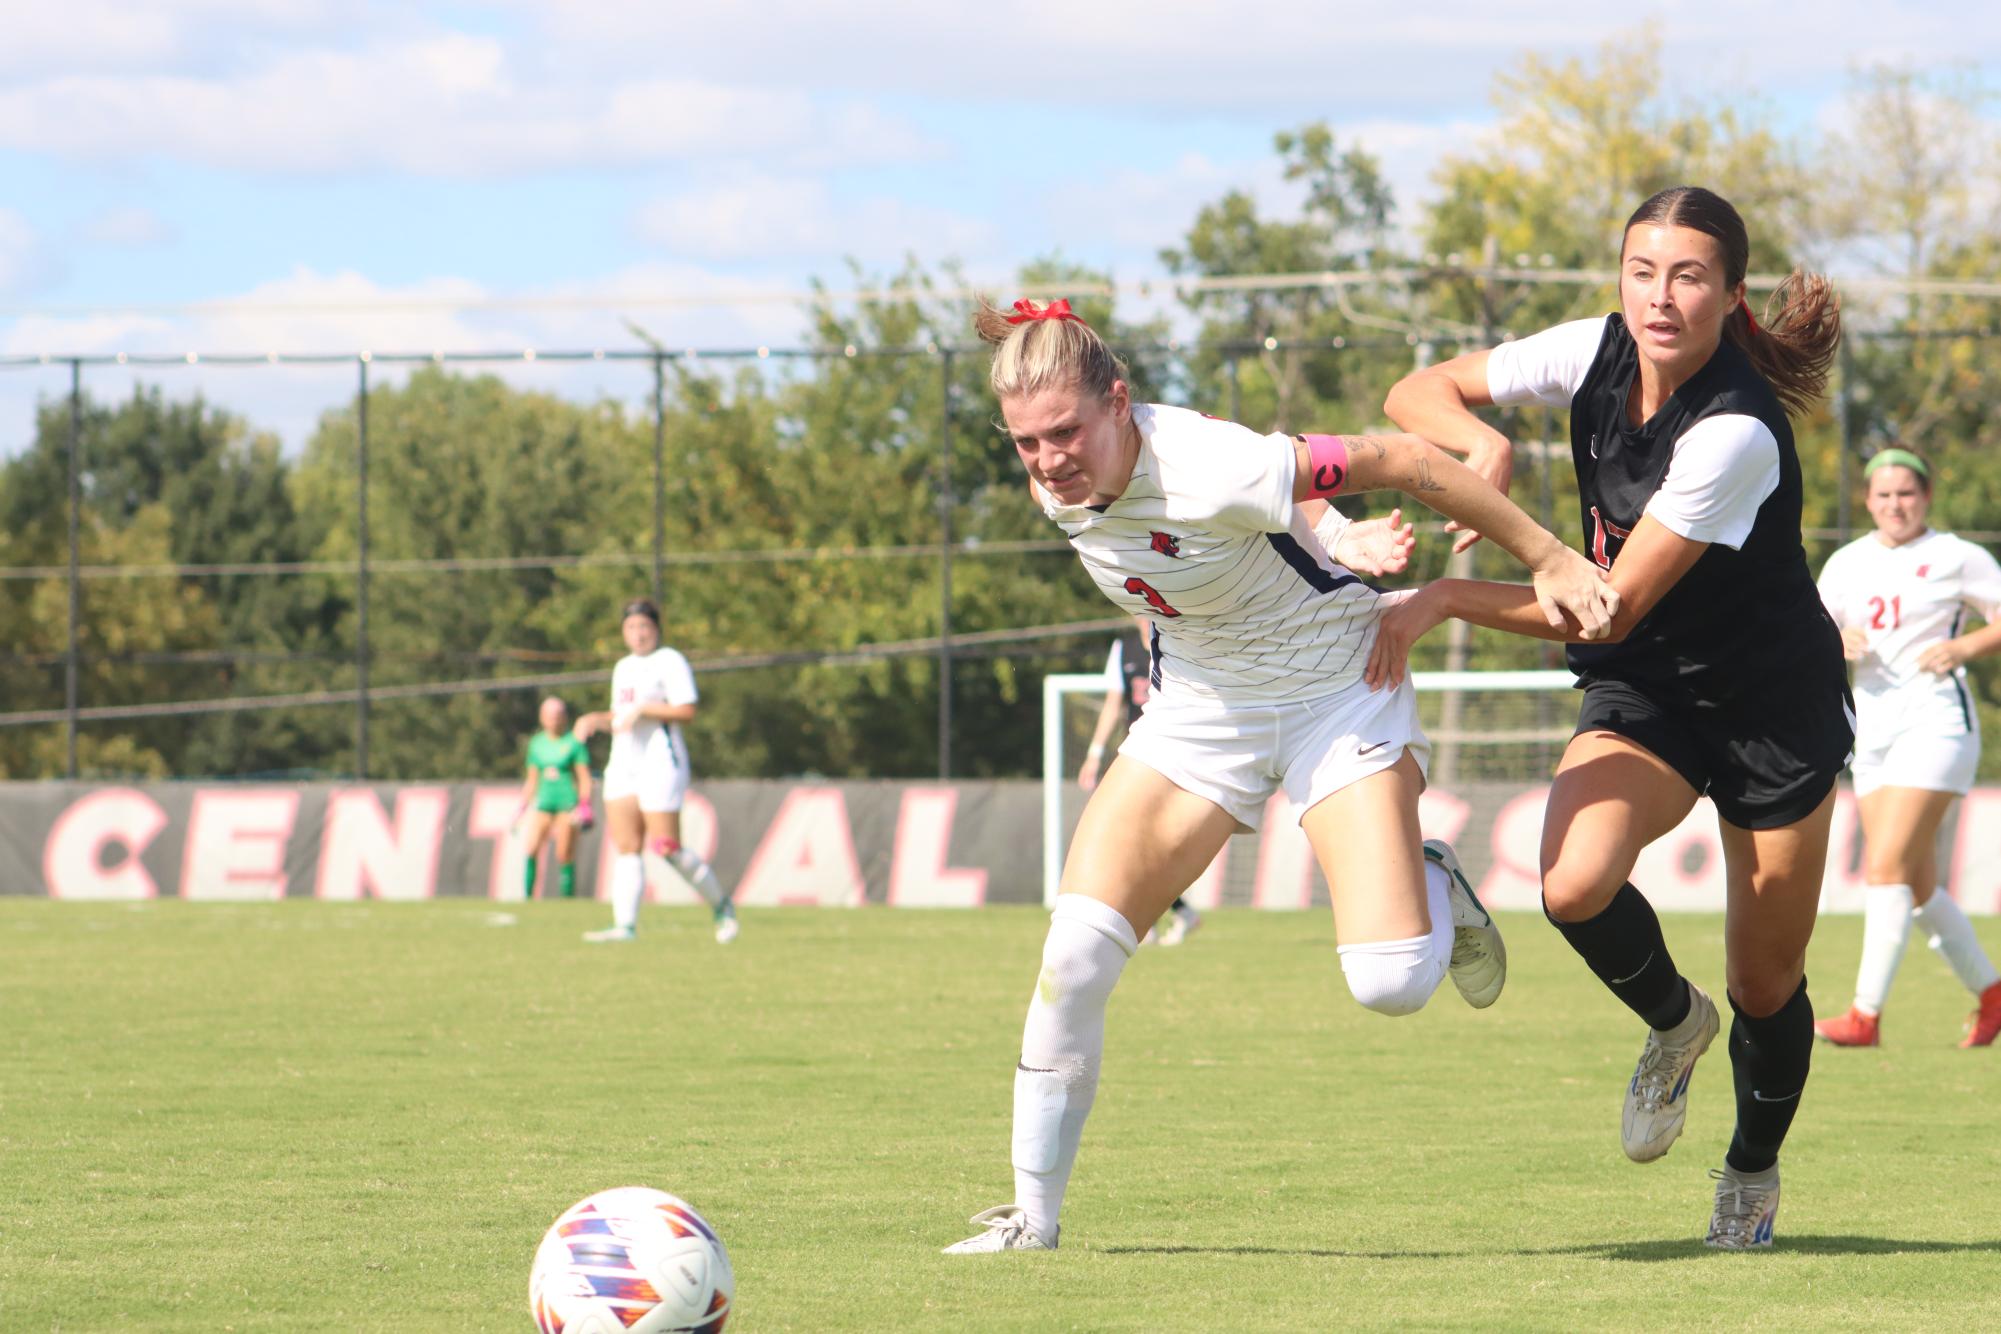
(308, 1116)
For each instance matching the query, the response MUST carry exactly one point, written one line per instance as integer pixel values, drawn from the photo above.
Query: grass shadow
(1632, 1252)
(1798, 1243)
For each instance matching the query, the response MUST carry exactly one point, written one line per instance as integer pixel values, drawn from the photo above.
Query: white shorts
(1916, 759)
(1237, 756)
(653, 773)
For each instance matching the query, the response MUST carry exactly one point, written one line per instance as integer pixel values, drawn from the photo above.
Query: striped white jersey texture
(1207, 543)
(1905, 599)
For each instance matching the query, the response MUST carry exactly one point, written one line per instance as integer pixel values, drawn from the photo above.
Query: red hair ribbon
(1059, 309)
(1748, 319)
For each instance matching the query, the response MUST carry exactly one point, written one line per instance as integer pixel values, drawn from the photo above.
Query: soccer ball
(631, 1261)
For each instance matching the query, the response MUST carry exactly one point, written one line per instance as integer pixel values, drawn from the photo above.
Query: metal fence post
(70, 662)
(361, 571)
(945, 564)
(659, 478)
(1236, 391)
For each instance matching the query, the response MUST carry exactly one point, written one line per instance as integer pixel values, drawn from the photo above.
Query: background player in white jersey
(646, 779)
(1723, 676)
(1261, 639)
(1900, 596)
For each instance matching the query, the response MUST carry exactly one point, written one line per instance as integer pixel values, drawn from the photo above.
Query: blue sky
(336, 176)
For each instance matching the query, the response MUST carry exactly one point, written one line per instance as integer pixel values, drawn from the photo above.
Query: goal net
(1487, 728)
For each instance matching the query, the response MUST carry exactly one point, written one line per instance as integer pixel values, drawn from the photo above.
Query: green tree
(1301, 378)
(462, 468)
(1578, 144)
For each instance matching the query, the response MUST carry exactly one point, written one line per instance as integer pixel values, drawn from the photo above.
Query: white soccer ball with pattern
(631, 1261)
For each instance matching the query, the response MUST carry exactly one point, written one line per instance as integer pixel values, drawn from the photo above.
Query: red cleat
(1855, 1029)
(1984, 1023)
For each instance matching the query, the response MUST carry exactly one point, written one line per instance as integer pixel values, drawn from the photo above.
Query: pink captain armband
(1326, 463)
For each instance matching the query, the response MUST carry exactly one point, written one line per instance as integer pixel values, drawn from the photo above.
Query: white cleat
(1181, 924)
(1746, 1207)
(1479, 955)
(726, 924)
(1006, 1230)
(611, 935)
(1657, 1097)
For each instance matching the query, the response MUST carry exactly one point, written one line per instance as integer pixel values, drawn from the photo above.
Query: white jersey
(661, 677)
(1905, 599)
(1207, 544)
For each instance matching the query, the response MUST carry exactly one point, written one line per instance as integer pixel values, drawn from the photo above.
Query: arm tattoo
(1424, 478)
(1370, 442)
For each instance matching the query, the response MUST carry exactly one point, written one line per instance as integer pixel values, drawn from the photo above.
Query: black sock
(1623, 945)
(1769, 1059)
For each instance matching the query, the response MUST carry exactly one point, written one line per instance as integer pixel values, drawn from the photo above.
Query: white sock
(1886, 929)
(1392, 976)
(1062, 1044)
(698, 874)
(1952, 936)
(628, 886)
(1398, 976)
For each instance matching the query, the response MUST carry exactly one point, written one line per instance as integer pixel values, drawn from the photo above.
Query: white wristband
(1096, 752)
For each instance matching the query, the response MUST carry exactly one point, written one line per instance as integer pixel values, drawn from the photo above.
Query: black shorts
(1767, 757)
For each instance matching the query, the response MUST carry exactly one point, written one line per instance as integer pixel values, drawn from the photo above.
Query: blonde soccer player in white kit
(1197, 524)
(1900, 596)
(646, 779)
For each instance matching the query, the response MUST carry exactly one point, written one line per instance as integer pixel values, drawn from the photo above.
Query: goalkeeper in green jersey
(556, 797)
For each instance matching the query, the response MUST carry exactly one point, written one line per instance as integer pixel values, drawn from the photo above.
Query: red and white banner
(837, 845)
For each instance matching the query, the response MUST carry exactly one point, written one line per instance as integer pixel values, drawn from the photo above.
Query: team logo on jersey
(1924, 570)
(1166, 544)
(1604, 534)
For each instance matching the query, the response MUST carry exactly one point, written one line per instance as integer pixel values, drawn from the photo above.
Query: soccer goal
(1485, 727)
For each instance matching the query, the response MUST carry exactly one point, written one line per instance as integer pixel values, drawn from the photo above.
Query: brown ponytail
(1793, 347)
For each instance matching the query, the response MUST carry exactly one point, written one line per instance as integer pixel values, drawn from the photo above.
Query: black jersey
(1738, 618)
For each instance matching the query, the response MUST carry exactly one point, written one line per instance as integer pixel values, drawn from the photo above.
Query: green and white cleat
(1657, 1097)
(1006, 1230)
(726, 923)
(611, 935)
(1746, 1207)
(1479, 955)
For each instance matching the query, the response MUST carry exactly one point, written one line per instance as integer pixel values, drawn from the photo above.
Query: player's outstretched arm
(1437, 403)
(1653, 560)
(1566, 584)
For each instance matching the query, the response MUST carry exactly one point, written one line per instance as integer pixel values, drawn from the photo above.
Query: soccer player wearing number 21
(1199, 525)
(1900, 596)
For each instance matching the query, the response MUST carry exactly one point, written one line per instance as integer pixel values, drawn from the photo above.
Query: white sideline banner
(829, 844)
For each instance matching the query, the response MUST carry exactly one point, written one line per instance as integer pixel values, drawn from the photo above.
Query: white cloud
(1290, 56)
(80, 36)
(448, 105)
(347, 312)
(798, 217)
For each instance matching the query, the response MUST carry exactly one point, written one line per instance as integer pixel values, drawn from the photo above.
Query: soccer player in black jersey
(1723, 676)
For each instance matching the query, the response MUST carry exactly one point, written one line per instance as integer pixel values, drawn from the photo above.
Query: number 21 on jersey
(1878, 608)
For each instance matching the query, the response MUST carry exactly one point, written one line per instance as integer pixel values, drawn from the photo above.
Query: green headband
(1897, 458)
